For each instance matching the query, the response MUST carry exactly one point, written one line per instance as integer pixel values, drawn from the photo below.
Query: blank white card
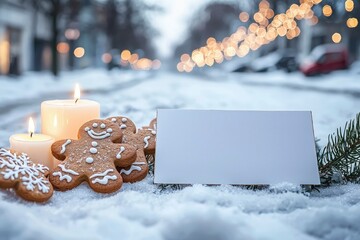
(235, 147)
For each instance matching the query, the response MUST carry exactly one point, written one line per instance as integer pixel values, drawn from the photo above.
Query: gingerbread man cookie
(92, 158)
(144, 142)
(27, 178)
(151, 157)
(152, 125)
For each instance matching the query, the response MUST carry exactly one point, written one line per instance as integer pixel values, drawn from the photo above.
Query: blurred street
(139, 94)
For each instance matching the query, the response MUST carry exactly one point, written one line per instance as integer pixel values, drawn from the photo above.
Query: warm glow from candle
(77, 93)
(31, 128)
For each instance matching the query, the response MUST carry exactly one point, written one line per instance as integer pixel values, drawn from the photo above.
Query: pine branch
(342, 153)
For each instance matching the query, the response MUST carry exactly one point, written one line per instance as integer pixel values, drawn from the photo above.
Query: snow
(145, 211)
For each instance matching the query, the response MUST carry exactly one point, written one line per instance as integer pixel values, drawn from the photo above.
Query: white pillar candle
(62, 119)
(36, 146)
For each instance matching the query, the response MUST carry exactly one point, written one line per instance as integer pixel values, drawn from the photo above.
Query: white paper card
(235, 147)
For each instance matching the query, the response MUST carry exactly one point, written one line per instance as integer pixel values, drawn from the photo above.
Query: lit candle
(36, 146)
(62, 119)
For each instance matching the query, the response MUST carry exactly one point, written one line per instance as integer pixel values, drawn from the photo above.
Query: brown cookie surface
(144, 142)
(27, 178)
(93, 158)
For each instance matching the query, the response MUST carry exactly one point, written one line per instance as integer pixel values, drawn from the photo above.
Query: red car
(325, 59)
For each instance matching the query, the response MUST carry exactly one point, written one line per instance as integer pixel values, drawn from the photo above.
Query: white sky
(172, 23)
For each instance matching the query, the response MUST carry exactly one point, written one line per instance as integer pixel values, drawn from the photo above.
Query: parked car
(325, 59)
(284, 60)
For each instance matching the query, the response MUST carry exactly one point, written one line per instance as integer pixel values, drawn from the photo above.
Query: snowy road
(141, 211)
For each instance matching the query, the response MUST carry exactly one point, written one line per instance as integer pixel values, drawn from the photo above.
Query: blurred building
(24, 38)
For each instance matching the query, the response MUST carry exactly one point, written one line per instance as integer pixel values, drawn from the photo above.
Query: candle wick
(31, 134)
(76, 100)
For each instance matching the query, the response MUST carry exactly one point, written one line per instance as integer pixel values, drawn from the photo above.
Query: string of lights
(265, 28)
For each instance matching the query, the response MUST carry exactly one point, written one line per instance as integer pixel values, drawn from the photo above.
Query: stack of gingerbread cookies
(106, 154)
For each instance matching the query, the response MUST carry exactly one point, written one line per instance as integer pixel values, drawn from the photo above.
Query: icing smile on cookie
(100, 135)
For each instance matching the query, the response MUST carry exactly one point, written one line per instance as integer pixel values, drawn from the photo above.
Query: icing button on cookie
(89, 160)
(93, 150)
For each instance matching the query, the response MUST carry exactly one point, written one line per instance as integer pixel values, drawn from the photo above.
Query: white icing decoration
(89, 160)
(64, 169)
(105, 178)
(87, 129)
(102, 174)
(124, 120)
(132, 168)
(113, 119)
(122, 126)
(122, 149)
(146, 141)
(95, 125)
(101, 135)
(103, 125)
(109, 130)
(94, 144)
(62, 177)
(93, 150)
(153, 132)
(19, 167)
(63, 147)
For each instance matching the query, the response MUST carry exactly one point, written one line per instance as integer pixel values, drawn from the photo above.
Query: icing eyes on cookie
(95, 125)
(103, 125)
(113, 119)
(109, 130)
(87, 129)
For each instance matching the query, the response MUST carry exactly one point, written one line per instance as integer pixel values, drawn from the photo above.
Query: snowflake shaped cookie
(27, 178)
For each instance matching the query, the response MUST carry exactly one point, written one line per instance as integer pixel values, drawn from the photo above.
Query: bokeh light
(327, 10)
(244, 17)
(352, 22)
(79, 52)
(156, 64)
(62, 47)
(106, 58)
(72, 34)
(336, 37)
(125, 55)
(349, 5)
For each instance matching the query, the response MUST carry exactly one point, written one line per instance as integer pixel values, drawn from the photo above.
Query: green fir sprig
(340, 158)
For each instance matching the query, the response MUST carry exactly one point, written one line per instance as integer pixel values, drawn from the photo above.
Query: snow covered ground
(142, 210)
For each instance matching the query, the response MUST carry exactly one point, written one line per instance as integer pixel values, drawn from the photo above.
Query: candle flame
(31, 128)
(77, 93)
